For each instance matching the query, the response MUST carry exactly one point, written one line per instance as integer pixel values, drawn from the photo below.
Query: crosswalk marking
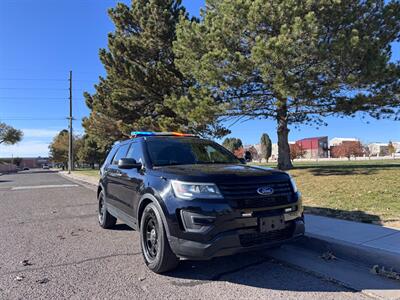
(50, 186)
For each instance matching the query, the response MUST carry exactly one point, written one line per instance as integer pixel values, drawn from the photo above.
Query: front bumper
(236, 241)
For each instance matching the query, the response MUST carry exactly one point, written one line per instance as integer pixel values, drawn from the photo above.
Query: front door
(132, 180)
(114, 175)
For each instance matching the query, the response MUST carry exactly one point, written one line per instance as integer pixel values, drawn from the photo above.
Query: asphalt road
(52, 248)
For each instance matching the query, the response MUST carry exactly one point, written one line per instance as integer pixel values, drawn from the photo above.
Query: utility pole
(70, 154)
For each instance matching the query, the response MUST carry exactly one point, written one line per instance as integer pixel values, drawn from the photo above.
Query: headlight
(293, 184)
(192, 190)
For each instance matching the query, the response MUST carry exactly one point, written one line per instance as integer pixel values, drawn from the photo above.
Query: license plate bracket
(271, 223)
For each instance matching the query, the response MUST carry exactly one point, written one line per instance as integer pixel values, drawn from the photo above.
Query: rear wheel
(106, 220)
(157, 253)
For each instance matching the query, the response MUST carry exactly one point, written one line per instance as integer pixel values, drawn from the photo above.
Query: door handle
(114, 173)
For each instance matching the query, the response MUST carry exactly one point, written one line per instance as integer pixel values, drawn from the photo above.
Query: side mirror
(242, 160)
(128, 163)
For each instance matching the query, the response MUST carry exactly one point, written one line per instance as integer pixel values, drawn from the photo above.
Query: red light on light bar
(181, 134)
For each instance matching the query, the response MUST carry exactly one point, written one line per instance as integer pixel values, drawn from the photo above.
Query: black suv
(190, 198)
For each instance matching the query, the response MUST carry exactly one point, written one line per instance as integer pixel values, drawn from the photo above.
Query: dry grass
(88, 172)
(364, 191)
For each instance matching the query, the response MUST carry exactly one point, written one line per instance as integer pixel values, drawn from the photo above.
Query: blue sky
(42, 40)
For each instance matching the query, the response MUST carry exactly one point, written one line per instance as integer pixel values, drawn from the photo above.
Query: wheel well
(143, 204)
(99, 189)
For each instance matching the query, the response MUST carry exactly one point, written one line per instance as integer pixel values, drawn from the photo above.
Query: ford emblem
(265, 190)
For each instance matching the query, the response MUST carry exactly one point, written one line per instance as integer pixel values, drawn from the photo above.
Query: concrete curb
(82, 180)
(361, 254)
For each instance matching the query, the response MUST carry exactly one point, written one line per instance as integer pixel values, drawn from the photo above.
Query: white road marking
(16, 188)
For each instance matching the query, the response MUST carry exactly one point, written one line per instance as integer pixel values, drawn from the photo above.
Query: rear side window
(110, 155)
(121, 153)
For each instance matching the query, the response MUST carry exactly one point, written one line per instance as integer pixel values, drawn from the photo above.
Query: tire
(106, 220)
(156, 251)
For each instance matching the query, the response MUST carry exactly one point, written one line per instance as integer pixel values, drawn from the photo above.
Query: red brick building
(315, 147)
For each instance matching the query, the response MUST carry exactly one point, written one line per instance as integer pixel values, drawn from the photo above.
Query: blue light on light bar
(136, 133)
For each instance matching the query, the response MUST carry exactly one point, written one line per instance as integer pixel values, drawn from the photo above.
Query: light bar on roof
(151, 133)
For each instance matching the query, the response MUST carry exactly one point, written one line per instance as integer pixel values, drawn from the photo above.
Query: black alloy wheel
(156, 250)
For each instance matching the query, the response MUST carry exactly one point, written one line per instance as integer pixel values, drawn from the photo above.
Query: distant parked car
(45, 167)
(397, 153)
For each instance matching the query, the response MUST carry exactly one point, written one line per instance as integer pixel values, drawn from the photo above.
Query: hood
(219, 172)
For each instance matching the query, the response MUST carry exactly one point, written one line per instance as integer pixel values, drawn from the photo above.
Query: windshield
(186, 151)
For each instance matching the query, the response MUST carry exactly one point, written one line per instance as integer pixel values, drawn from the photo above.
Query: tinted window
(110, 155)
(181, 151)
(121, 153)
(135, 152)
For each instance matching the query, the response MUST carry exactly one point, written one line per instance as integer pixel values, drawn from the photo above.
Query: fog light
(247, 214)
(290, 209)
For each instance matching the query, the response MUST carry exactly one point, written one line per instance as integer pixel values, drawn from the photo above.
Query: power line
(37, 119)
(36, 98)
(32, 88)
(47, 79)
(32, 119)
(33, 79)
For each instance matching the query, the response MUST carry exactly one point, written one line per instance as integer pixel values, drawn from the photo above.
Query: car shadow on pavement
(121, 227)
(253, 269)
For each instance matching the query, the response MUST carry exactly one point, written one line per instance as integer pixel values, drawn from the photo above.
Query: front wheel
(156, 251)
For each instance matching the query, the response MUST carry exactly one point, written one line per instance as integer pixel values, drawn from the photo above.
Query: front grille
(258, 238)
(245, 195)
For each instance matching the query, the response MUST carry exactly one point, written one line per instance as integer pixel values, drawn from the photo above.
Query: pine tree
(142, 80)
(9, 135)
(232, 144)
(294, 62)
(266, 146)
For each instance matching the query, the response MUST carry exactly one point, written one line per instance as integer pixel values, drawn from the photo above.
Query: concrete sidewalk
(366, 243)
(91, 180)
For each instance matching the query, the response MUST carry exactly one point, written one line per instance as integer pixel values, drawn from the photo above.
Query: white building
(378, 149)
(396, 145)
(337, 141)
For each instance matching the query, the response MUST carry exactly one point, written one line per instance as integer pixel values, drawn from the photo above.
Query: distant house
(378, 149)
(28, 162)
(314, 147)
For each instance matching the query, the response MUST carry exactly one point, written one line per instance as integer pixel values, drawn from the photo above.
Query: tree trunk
(284, 161)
